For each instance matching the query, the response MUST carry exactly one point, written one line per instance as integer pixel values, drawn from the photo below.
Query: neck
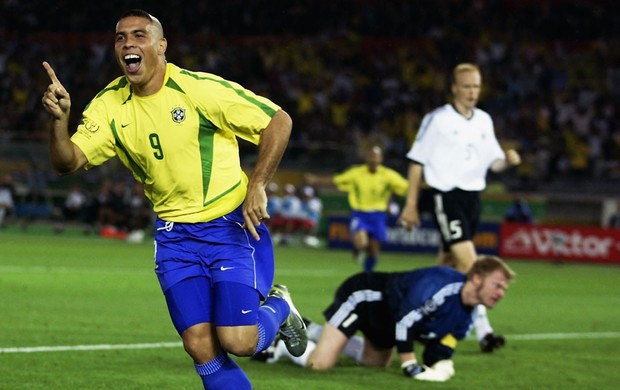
(469, 296)
(461, 109)
(153, 85)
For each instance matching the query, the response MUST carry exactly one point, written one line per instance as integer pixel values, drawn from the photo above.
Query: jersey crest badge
(178, 114)
(90, 125)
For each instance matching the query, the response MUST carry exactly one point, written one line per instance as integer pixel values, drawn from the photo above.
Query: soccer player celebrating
(370, 187)
(176, 130)
(453, 150)
(432, 306)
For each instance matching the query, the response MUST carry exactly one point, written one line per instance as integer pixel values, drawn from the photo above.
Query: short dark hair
(139, 13)
(136, 12)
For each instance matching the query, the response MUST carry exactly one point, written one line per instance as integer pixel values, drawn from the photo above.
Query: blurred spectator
(519, 212)
(614, 218)
(274, 203)
(352, 75)
(287, 221)
(73, 209)
(7, 196)
(140, 214)
(34, 205)
(113, 209)
(311, 209)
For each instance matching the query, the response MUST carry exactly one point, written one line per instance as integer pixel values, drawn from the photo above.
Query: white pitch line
(64, 348)
(99, 347)
(564, 336)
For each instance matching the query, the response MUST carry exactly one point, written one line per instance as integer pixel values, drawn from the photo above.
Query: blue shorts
(218, 251)
(374, 222)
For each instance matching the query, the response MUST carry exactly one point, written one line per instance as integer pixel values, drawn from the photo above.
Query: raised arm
(66, 157)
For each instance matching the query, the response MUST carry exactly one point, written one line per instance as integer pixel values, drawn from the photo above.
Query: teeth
(132, 57)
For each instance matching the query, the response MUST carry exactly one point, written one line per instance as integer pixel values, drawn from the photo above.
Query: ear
(163, 45)
(477, 280)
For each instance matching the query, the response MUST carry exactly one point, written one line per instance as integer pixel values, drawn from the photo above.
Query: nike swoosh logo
(245, 311)
(124, 125)
(222, 268)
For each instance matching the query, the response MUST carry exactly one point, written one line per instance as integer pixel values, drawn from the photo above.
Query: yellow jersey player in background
(176, 130)
(370, 188)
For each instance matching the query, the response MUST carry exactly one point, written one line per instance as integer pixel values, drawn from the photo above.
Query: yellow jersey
(371, 191)
(180, 142)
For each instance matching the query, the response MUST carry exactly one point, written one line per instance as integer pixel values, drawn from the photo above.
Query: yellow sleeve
(345, 180)
(399, 183)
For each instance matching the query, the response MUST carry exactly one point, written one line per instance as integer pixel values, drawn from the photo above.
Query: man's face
(491, 289)
(374, 158)
(139, 47)
(466, 89)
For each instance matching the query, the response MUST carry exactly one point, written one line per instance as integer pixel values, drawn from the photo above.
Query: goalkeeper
(432, 306)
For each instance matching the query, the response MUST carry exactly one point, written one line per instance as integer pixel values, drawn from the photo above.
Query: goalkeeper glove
(411, 368)
(439, 372)
(491, 342)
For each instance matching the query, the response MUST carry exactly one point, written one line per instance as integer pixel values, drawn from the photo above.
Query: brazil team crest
(178, 114)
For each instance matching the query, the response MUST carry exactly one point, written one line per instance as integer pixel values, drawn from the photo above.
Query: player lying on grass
(432, 306)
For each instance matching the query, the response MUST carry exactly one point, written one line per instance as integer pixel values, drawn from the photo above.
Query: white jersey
(455, 151)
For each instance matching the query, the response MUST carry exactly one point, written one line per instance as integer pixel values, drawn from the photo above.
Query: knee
(238, 340)
(239, 345)
(317, 365)
(198, 349)
(316, 362)
(200, 345)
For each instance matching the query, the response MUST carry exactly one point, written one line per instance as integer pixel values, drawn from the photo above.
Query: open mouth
(132, 62)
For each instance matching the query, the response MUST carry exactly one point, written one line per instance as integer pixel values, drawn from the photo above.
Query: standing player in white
(454, 148)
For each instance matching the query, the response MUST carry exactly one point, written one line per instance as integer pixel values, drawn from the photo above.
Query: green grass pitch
(562, 322)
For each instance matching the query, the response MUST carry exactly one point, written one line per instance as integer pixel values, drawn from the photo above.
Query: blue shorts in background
(374, 222)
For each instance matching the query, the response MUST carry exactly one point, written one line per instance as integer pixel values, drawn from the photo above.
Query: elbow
(63, 169)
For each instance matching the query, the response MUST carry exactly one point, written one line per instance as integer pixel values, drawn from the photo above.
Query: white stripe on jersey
(428, 307)
(442, 218)
(352, 301)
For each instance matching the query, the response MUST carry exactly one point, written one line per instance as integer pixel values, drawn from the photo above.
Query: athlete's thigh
(235, 256)
(455, 220)
(374, 356)
(190, 302)
(328, 349)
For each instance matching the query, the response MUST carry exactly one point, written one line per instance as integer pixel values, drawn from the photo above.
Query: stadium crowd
(356, 72)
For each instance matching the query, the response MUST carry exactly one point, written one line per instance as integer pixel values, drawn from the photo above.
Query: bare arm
(274, 140)
(66, 157)
(410, 217)
(512, 159)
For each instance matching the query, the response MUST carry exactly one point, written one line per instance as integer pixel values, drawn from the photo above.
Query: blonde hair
(486, 265)
(464, 67)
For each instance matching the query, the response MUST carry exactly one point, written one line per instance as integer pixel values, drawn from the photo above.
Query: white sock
(314, 331)
(481, 322)
(354, 348)
(301, 360)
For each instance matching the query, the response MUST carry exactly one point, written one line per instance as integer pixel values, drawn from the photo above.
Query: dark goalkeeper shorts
(457, 215)
(359, 305)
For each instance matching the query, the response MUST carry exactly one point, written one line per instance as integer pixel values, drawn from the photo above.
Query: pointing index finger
(51, 73)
